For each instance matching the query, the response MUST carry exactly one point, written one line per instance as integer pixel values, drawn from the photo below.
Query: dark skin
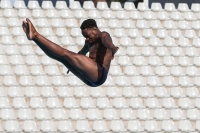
(88, 69)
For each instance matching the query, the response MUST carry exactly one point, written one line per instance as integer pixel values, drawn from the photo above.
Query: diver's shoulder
(104, 33)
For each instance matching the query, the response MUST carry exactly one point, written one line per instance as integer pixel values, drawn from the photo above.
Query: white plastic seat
(9, 12)
(127, 23)
(168, 103)
(185, 126)
(147, 33)
(6, 70)
(183, 42)
(100, 22)
(142, 6)
(197, 127)
(19, 102)
(61, 5)
(7, 40)
(195, 7)
(86, 102)
(58, 80)
(168, 126)
(12, 126)
(14, 91)
(24, 114)
(46, 60)
(161, 92)
(161, 33)
(192, 114)
(138, 81)
(190, 34)
(122, 80)
(145, 92)
(152, 103)
(130, 70)
(126, 114)
(52, 14)
(146, 70)
(11, 50)
(169, 81)
(22, 40)
(88, 5)
(93, 114)
(135, 15)
(75, 5)
(139, 60)
(26, 80)
(160, 114)
(140, 41)
(100, 126)
(195, 25)
(115, 6)
(134, 126)
(4, 102)
(23, 12)
(143, 114)
(151, 126)
(176, 15)
(184, 103)
(52, 70)
(9, 80)
(183, 24)
(95, 14)
(2, 92)
(162, 15)
(195, 80)
(112, 92)
(114, 23)
(65, 126)
(70, 102)
(36, 102)
(119, 32)
(122, 14)
(80, 14)
(82, 126)
(53, 102)
(190, 16)
(115, 70)
(65, 14)
(162, 51)
(154, 60)
(7, 114)
(31, 91)
(119, 102)
(192, 92)
(75, 32)
(37, 13)
(26, 50)
(156, 7)
(42, 113)
(169, 24)
(110, 114)
(117, 126)
(33, 4)
(184, 61)
(108, 14)
(4, 31)
(30, 126)
(17, 31)
(133, 33)
(47, 126)
(64, 91)
(80, 91)
(67, 40)
(74, 81)
(102, 5)
(169, 61)
(177, 70)
(156, 24)
(149, 15)
(76, 114)
(6, 4)
(57, 22)
(183, 7)
(170, 7)
(136, 103)
(37, 70)
(129, 6)
(47, 5)
(3, 60)
(176, 33)
(97, 92)
(103, 102)
(191, 71)
(124, 60)
(177, 92)
(42, 22)
(142, 24)
(42, 80)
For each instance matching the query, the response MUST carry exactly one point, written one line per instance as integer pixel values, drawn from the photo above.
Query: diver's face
(90, 34)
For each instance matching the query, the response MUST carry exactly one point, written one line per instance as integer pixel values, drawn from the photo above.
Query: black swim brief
(101, 80)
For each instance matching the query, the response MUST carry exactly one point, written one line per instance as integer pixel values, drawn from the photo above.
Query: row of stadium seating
(100, 126)
(88, 5)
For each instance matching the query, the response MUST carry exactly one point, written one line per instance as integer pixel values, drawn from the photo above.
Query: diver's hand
(114, 50)
(29, 29)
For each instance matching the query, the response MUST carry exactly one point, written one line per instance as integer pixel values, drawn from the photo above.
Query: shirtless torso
(100, 53)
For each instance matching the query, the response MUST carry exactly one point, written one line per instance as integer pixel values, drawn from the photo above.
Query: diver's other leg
(70, 67)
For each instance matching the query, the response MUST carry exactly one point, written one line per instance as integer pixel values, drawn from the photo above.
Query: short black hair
(88, 23)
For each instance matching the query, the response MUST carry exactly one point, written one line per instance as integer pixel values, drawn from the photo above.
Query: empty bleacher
(153, 82)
